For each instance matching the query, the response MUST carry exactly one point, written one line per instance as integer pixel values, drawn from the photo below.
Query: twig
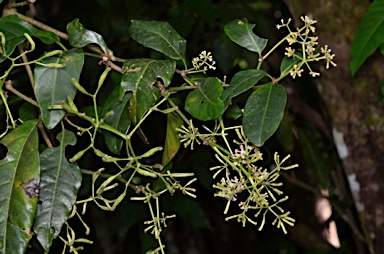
(63, 36)
(44, 134)
(27, 66)
(15, 5)
(8, 85)
(42, 26)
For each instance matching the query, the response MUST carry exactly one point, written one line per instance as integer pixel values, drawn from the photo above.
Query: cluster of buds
(204, 61)
(306, 51)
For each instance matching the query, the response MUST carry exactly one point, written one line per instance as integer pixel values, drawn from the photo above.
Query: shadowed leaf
(60, 181)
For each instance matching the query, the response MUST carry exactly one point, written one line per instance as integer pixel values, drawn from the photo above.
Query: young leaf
(263, 112)
(159, 36)
(241, 82)
(369, 35)
(172, 140)
(240, 32)
(204, 103)
(139, 77)
(14, 28)
(52, 85)
(119, 119)
(60, 182)
(79, 37)
(19, 183)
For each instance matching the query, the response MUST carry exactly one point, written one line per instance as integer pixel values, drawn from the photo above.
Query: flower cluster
(306, 50)
(254, 188)
(204, 61)
(188, 135)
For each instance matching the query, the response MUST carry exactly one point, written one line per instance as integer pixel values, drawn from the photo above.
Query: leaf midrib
(12, 189)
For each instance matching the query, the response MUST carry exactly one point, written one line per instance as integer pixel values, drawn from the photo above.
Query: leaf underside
(159, 36)
(240, 32)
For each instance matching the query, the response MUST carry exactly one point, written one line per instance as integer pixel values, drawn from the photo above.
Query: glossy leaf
(263, 112)
(172, 140)
(369, 36)
(240, 32)
(19, 181)
(60, 182)
(204, 103)
(241, 82)
(14, 28)
(139, 77)
(159, 36)
(119, 119)
(52, 85)
(79, 37)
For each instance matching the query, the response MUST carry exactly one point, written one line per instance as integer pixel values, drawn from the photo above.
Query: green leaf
(52, 85)
(119, 120)
(27, 112)
(172, 140)
(14, 28)
(60, 182)
(159, 36)
(233, 112)
(288, 62)
(369, 36)
(139, 77)
(204, 103)
(79, 37)
(241, 82)
(19, 182)
(263, 112)
(240, 32)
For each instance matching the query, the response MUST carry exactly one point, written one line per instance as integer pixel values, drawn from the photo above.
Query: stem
(178, 111)
(44, 134)
(62, 35)
(27, 66)
(6, 106)
(145, 116)
(42, 26)
(8, 85)
(15, 5)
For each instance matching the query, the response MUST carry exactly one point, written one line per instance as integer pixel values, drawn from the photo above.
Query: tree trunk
(355, 106)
